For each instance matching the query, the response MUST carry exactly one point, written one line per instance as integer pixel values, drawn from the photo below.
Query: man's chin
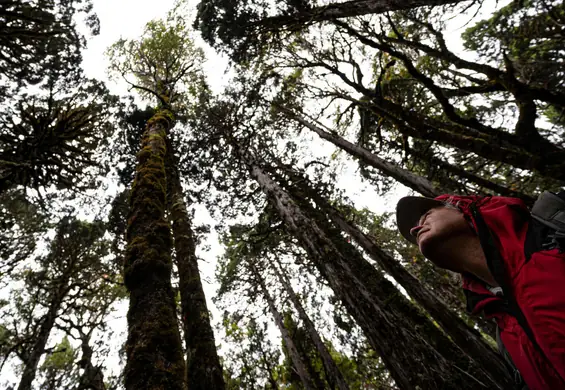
(425, 245)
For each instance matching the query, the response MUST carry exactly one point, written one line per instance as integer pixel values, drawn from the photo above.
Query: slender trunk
(288, 342)
(269, 369)
(468, 339)
(343, 10)
(417, 183)
(398, 332)
(448, 291)
(333, 374)
(38, 348)
(92, 378)
(153, 347)
(203, 365)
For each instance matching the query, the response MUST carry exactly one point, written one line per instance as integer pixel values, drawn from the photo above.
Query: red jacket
(538, 286)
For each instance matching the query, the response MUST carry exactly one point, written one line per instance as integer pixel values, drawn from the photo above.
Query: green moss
(154, 350)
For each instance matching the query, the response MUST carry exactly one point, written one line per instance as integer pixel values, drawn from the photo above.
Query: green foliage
(53, 138)
(68, 288)
(529, 32)
(21, 225)
(164, 61)
(39, 39)
(61, 359)
(255, 360)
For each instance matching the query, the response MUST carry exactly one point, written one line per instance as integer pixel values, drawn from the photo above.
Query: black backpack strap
(509, 362)
(496, 266)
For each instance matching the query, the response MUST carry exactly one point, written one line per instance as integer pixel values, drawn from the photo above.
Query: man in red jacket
(513, 269)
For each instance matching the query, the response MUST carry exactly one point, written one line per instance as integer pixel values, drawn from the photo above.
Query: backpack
(546, 232)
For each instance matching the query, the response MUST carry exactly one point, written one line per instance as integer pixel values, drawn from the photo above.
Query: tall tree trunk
(92, 378)
(393, 268)
(333, 374)
(468, 339)
(38, 348)
(409, 179)
(398, 332)
(448, 291)
(343, 10)
(297, 362)
(203, 365)
(417, 183)
(153, 347)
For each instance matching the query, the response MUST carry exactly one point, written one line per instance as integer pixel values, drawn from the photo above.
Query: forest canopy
(171, 226)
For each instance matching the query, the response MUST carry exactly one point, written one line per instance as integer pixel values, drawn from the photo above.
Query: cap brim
(409, 210)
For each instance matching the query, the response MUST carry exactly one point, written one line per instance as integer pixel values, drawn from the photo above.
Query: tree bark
(38, 348)
(394, 327)
(92, 378)
(153, 348)
(343, 10)
(297, 362)
(473, 178)
(417, 183)
(333, 374)
(468, 339)
(203, 365)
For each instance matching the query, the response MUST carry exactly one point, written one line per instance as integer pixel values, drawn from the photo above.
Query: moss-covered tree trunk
(333, 374)
(414, 350)
(295, 357)
(153, 348)
(203, 365)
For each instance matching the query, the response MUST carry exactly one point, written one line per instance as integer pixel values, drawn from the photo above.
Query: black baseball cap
(409, 210)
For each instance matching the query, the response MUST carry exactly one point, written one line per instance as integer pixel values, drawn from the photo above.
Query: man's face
(436, 227)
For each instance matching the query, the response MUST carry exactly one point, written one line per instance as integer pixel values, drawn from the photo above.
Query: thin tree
(334, 375)
(72, 266)
(295, 356)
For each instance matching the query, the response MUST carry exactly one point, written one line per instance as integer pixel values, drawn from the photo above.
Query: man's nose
(414, 231)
